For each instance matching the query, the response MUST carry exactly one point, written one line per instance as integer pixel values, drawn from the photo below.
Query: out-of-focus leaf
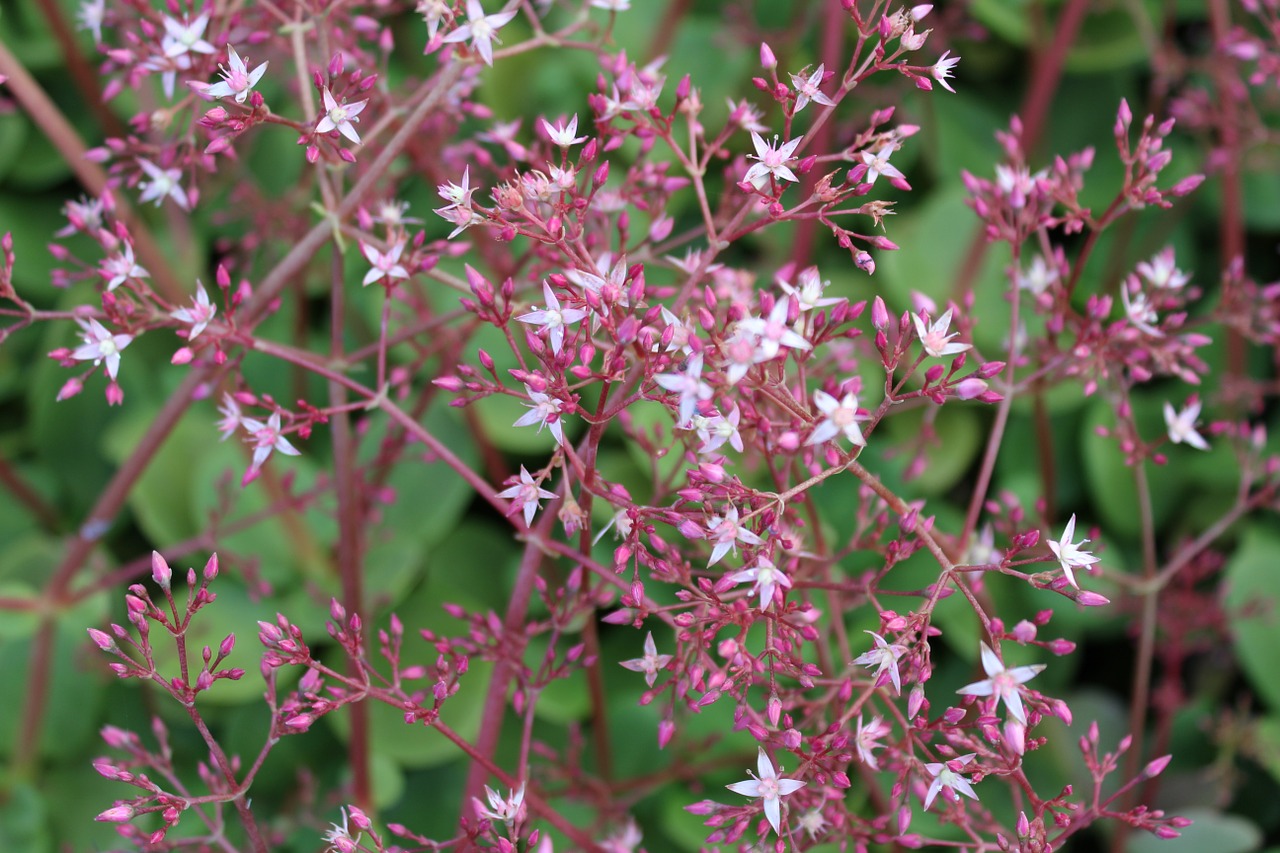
(959, 439)
(23, 814)
(1252, 600)
(1210, 830)
(74, 697)
(1111, 484)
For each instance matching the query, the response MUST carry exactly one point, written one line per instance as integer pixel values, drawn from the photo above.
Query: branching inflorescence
(595, 269)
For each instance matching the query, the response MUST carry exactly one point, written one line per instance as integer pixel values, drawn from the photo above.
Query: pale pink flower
(480, 29)
(180, 39)
(340, 117)
(1141, 313)
(198, 315)
(526, 495)
(807, 89)
(564, 135)
(545, 411)
(1037, 279)
(508, 810)
(265, 438)
(100, 345)
(231, 416)
(689, 385)
(934, 337)
(941, 70)
(433, 12)
(766, 577)
(868, 737)
(878, 164)
(119, 268)
(1161, 272)
(725, 531)
(839, 417)
(1069, 553)
(457, 196)
(553, 319)
(1003, 683)
(809, 291)
(339, 838)
(237, 80)
(650, 663)
(884, 657)
(1182, 425)
(385, 264)
(718, 429)
(164, 183)
(947, 775)
(769, 788)
(773, 162)
(90, 17)
(773, 332)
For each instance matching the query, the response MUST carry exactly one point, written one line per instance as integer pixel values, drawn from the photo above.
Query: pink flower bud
(767, 60)
(1091, 599)
(118, 814)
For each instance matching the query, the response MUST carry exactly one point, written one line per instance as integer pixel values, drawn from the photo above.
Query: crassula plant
(619, 428)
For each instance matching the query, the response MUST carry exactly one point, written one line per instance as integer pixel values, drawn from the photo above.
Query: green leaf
(1111, 483)
(23, 826)
(1210, 830)
(1255, 610)
(74, 698)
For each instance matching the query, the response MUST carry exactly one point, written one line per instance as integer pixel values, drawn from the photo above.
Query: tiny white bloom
(941, 70)
(480, 29)
(769, 788)
(266, 438)
(101, 345)
(526, 495)
(1069, 553)
(164, 183)
(340, 117)
(766, 577)
(553, 319)
(199, 314)
(1002, 683)
(650, 663)
(934, 337)
(689, 385)
(878, 164)
(1161, 272)
(773, 332)
(885, 658)
(773, 162)
(1182, 425)
(564, 135)
(807, 89)
(840, 417)
(508, 809)
(237, 80)
(385, 264)
(545, 411)
(947, 775)
(725, 531)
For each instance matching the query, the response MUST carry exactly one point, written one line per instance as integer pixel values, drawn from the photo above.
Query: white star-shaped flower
(934, 337)
(545, 411)
(807, 89)
(770, 788)
(725, 531)
(1002, 683)
(947, 775)
(340, 117)
(164, 183)
(766, 577)
(553, 319)
(650, 663)
(100, 345)
(1182, 425)
(526, 495)
(237, 80)
(198, 315)
(1069, 553)
(773, 162)
(480, 29)
(840, 417)
(885, 658)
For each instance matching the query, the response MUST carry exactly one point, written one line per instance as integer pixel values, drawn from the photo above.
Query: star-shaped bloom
(1003, 683)
(1182, 425)
(562, 134)
(809, 289)
(1069, 553)
(339, 836)
(552, 318)
(839, 417)
(385, 264)
(164, 183)
(766, 577)
(100, 345)
(947, 775)
(457, 196)
(266, 438)
(180, 39)
(237, 80)
(90, 16)
(1161, 272)
(545, 411)
(718, 429)
(340, 117)
(868, 738)
(611, 287)
(508, 809)
(878, 164)
(773, 332)
(198, 315)
(119, 268)
(807, 89)
(934, 337)
(1139, 309)
(433, 12)
(769, 787)
(941, 70)
(725, 531)
(526, 495)
(231, 417)
(773, 162)
(884, 657)
(480, 29)
(650, 663)
(689, 385)
(1038, 278)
